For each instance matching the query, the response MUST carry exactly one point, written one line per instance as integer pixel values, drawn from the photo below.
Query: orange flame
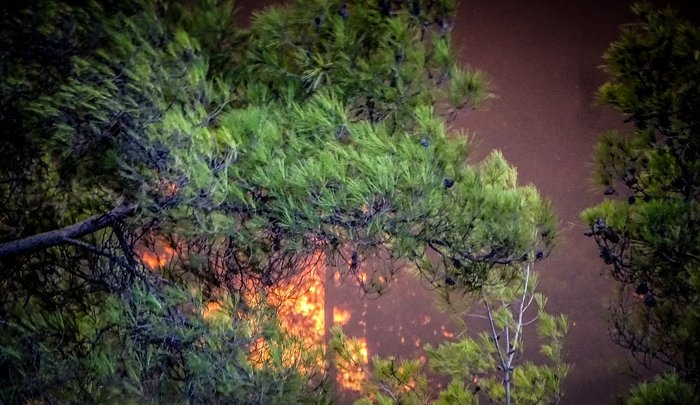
(301, 309)
(341, 316)
(352, 378)
(304, 314)
(158, 257)
(211, 310)
(304, 317)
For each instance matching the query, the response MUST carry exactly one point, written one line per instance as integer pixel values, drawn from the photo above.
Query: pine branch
(99, 251)
(65, 235)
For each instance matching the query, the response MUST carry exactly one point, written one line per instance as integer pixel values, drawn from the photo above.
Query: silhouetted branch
(65, 235)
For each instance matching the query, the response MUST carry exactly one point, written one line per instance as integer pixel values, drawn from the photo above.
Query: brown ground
(543, 58)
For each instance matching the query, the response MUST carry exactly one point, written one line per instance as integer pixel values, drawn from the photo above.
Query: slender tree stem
(510, 345)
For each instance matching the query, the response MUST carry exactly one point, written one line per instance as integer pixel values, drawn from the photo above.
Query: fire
(352, 378)
(341, 316)
(301, 309)
(362, 275)
(158, 257)
(303, 316)
(301, 303)
(211, 310)
(166, 188)
(445, 332)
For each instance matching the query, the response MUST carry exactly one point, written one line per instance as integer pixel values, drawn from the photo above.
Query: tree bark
(64, 235)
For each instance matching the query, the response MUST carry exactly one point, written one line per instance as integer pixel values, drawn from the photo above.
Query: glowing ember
(211, 310)
(445, 332)
(362, 275)
(301, 304)
(352, 378)
(301, 309)
(157, 258)
(341, 316)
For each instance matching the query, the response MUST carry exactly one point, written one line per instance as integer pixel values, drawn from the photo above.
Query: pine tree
(487, 365)
(141, 129)
(649, 237)
(666, 389)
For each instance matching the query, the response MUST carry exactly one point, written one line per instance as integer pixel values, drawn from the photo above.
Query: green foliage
(484, 366)
(242, 154)
(148, 346)
(650, 240)
(389, 381)
(489, 360)
(666, 389)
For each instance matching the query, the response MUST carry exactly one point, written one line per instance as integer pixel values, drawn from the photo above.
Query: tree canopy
(650, 237)
(139, 128)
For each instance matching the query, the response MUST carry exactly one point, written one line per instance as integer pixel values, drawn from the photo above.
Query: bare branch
(64, 235)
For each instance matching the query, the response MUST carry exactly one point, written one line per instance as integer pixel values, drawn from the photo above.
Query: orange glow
(362, 276)
(341, 316)
(446, 333)
(363, 350)
(211, 309)
(158, 257)
(259, 353)
(409, 385)
(151, 260)
(167, 188)
(301, 303)
(301, 307)
(352, 377)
